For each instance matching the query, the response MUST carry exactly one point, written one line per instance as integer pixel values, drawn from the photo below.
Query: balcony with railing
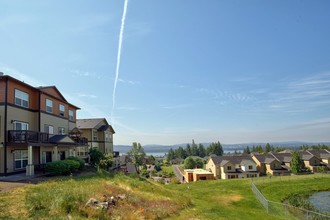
(25, 136)
(34, 137)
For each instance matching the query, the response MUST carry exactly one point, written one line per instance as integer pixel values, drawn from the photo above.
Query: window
(20, 125)
(229, 168)
(70, 115)
(94, 136)
(61, 130)
(21, 98)
(49, 129)
(20, 159)
(250, 167)
(49, 105)
(46, 157)
(62, 109)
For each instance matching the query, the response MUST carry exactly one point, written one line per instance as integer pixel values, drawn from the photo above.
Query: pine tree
(296, 163)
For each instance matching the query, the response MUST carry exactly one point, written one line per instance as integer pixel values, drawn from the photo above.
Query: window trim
(61, 112)
(49, 131)
(61, 130)
(18, 92)
(49, 101)
(71, 115)
(20, 122)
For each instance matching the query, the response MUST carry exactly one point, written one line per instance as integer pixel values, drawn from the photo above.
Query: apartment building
(99, 134)
(35, 123)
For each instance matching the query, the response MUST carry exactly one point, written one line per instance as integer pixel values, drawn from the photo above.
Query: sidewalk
(20, 177)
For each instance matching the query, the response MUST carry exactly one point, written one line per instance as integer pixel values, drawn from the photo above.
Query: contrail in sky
(118, 56)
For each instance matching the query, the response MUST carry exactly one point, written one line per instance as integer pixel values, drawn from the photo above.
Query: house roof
(233, 159)
(62, 140)
(320, 153)
(246, 162)
(282, 157)
(88, 123)
(269, 160)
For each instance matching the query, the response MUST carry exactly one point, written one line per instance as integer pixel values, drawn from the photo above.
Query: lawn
(221, 199)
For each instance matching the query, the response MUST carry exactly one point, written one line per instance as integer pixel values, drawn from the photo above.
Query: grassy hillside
(226, 199)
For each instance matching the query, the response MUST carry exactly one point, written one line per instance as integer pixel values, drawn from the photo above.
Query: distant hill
(157, 149)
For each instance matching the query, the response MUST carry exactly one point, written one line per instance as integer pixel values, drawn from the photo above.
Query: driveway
(178, 173)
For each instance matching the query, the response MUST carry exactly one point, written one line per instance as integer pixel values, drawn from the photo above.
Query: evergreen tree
(247, 150)
(296, 163)
(181, 153)
(188, 150)
(194, 149)
(268, 148)
(170, 155)
(201, 150)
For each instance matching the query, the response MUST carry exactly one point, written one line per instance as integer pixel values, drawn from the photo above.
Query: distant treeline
(195, 150)
(217, 149)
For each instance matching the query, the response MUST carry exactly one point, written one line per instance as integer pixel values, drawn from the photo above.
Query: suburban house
(193, 175)
(323, 155)
(268, 164)
(99, 134)
(35, 126)
(232, 166)
(310, 161)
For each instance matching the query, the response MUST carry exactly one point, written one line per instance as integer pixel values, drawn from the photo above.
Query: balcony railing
(80, 140)
(24, 136)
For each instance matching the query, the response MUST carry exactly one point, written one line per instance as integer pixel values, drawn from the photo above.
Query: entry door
(62, 155)
(46, 157)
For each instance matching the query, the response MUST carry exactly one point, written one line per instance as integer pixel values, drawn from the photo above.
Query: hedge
(62, 167)
(81, 162)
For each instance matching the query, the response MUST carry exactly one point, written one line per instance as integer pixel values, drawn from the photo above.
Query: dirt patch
(228, 199)
(9, 186)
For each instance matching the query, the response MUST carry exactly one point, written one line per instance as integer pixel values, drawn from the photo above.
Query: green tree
(189, 163)
(106, 161)
(170, 155)
(296, 163)
(201, 150)
(151, 159)
(247, 150)
(188, 150)
(194, 149)
(268, 148)
(199, 163)
(137, 153)
(181, 153)
(215, 148)
(95, 156)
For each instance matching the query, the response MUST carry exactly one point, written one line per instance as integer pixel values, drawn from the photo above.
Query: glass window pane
(18, 164)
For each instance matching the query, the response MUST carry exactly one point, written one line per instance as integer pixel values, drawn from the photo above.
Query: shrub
(72, 164)
(81, 162)
(57, 168)
(62, 167)
(106, 162)
(95, 156)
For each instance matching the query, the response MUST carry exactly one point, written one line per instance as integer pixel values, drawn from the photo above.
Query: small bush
(57, 168)
(81, 162)
(62, 167)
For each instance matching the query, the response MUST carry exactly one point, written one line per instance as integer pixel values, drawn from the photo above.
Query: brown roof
(234, 159)
(88, 123)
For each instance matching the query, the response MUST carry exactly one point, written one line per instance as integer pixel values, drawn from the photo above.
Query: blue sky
(233, 71)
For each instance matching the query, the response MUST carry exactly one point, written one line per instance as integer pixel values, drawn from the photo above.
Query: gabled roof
(90, 123)
(53, 91)
(320, 153)
(282, 157)
(62, 140)
(247, 162)
(270, 160)
(233, 159)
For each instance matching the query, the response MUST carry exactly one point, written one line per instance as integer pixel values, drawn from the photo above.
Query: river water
(321, 201)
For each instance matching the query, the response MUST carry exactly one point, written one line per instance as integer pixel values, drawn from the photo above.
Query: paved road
(178, 173)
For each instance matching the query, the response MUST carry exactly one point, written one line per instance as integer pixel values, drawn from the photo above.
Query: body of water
(321, 201)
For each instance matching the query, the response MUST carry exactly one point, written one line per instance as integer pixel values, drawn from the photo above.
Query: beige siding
(17, 114)
(210, 166)
(54, 121)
